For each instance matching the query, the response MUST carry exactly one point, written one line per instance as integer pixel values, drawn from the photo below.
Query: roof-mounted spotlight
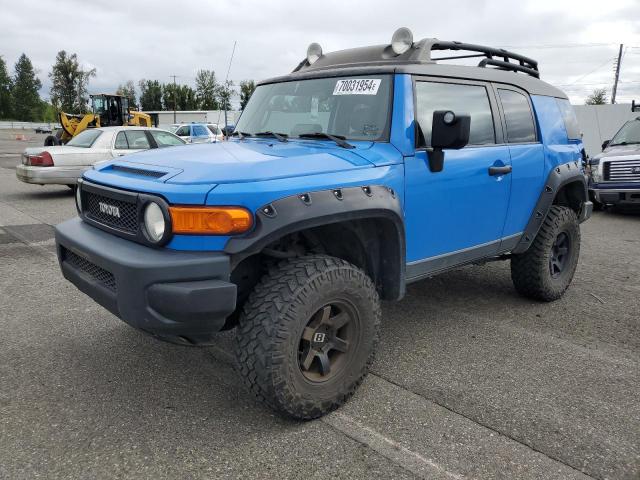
(314, 52)
(402, 40)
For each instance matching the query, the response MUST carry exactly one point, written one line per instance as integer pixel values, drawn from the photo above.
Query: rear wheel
(546, 269)
(307, 335)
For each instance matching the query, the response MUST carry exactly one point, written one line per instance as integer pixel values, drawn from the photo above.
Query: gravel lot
(471, 381)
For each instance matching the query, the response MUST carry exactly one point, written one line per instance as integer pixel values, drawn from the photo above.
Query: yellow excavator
(107, 110)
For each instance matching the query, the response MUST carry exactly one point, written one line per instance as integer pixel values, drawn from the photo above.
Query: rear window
(85, 139)
(569, 118)
(166, 139)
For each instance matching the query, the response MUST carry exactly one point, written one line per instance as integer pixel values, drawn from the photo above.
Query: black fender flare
(558, 178)
(324, 207)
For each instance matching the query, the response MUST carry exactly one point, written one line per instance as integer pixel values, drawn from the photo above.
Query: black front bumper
(164, 292)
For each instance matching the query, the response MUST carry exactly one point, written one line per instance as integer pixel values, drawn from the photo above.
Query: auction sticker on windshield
(357, 86)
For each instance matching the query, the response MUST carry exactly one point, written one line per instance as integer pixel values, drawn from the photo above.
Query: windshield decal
(357, 86)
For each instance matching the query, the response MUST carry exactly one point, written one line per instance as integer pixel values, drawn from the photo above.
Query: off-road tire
(51, 141)
(273, 319)
(530, 271)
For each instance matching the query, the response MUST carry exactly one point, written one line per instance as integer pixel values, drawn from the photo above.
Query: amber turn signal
(210, 220)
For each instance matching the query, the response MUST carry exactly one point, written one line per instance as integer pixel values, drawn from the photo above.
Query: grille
(123, 215)
(101, 275)
(622, 170)
(139, 171)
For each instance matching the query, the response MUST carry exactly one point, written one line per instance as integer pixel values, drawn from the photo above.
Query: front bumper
(616, 194)
(48, 175)
(171, 294)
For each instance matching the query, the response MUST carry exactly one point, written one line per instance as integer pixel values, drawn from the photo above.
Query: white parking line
(388, 448)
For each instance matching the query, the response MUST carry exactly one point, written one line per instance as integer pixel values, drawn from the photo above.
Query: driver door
(456, 215)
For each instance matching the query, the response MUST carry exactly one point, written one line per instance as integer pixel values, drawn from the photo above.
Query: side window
(121, 141)
(517, 113)
(470, 99)
(183, 131)
(137, 139)
(570, 120)
(200, 131)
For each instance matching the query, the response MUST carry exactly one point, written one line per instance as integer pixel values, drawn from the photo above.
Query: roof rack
(524, 64)
(402, 49)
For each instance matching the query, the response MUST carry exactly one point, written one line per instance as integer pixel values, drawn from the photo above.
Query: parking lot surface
(470, 381)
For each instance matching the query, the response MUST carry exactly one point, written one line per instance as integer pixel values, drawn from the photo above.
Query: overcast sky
(575, 41)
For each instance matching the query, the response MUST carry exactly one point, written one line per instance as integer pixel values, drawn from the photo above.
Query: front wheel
(546, 269)
(307, 335)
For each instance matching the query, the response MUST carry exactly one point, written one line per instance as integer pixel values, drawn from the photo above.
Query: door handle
(493, 171)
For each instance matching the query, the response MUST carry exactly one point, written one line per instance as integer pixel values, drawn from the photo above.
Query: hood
(245, 161)
(619, 151)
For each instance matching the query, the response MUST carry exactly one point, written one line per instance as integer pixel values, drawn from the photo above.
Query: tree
(150, 95)
(183, 95)
(128, 90)
(5, 91)
(598, 97)
(246, 90)
(206, 88)
(24, 92)
(225, 93)
(69, 83)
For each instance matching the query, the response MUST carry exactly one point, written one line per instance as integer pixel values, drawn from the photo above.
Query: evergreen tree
(69, 83)
(5, 91)
(206, 88)
(150, 95)
(598, 97)
(246, 90)
(24, 91)
(225, 94)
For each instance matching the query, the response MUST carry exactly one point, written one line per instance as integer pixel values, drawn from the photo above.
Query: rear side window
(570, 120)
(470, 99)
(137, 139)
(183, 131)
(121, 141)
(517, 113)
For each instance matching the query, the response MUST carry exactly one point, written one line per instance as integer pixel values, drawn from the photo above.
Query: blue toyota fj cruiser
(361, 171)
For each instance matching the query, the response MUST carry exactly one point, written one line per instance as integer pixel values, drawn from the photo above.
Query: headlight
(154, 222)
(595, 174)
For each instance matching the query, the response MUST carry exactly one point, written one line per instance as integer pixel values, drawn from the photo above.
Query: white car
(199, 132)
(64, 164)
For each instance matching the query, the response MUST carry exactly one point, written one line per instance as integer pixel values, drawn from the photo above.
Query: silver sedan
(64, 164)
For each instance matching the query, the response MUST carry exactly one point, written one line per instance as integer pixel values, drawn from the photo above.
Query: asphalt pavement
(470, 381)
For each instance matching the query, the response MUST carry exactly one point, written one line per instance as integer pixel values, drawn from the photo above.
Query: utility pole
(615, 81)
(174, 97)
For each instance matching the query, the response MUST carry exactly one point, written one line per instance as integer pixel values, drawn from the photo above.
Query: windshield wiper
(240, 135)
(339, 139)
(281, 137)
(624, 143)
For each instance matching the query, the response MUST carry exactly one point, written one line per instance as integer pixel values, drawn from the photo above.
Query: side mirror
(449, 130)
(605, 144)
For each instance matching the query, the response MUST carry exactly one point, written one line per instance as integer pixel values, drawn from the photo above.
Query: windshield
(356, 108)
(628, 134)
(85, 139)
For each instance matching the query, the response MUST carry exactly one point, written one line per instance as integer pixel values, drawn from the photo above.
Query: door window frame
(499, 133)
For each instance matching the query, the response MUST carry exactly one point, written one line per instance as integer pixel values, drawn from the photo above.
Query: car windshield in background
(85, 139)
(166, 139)
(356, 108)
(629, 134)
